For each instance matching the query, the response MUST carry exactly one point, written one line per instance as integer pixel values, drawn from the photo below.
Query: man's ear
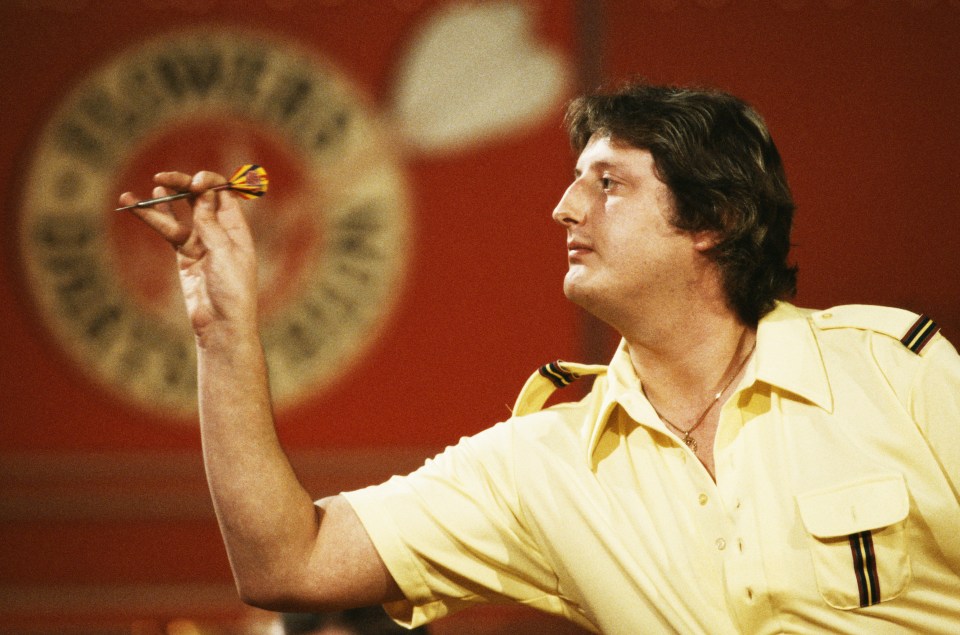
(704, 241)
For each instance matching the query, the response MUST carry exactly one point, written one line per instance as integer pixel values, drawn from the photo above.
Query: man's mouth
(577, 248)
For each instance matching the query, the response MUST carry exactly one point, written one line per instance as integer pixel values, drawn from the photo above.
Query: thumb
(205, 207)
(206, 223)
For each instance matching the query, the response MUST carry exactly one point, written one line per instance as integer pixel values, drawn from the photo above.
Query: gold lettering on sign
(349, 201)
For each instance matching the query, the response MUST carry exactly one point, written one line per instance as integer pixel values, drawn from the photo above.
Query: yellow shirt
(836, 507)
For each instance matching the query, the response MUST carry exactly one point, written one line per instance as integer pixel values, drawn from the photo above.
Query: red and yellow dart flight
(249, 181)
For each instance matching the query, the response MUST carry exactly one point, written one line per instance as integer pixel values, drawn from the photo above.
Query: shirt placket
(746, 584)
(698, 492)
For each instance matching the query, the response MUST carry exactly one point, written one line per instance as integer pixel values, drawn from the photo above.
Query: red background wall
(105, 525)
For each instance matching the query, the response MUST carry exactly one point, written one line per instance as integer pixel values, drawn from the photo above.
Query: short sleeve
(935, 405)
(451, 533)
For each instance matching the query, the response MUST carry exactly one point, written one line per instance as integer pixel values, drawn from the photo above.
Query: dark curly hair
(715, 154)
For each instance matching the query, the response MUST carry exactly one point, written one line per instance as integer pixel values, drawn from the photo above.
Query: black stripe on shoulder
(920, 334)
(556, 373)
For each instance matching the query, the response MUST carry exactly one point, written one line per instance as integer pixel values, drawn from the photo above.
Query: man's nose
(571, 208)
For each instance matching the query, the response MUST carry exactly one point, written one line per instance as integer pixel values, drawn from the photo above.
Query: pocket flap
(849, 508)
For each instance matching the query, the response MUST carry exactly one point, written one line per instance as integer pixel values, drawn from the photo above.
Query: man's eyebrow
(598, 166)
(606, 165)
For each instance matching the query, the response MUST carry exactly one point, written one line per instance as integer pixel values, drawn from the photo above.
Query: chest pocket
(857, 539)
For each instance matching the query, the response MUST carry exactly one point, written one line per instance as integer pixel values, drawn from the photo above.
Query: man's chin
(587, 297)
(577, 293)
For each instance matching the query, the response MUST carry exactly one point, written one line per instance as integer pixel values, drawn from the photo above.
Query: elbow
(279, 595)
(270, 600)
(260, 595)
(268, 592)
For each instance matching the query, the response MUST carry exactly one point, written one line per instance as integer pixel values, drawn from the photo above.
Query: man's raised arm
(285, 552)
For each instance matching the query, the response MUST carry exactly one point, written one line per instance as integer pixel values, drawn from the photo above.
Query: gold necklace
(689, 440)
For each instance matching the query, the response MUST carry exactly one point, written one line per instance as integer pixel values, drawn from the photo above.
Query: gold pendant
(691, 443)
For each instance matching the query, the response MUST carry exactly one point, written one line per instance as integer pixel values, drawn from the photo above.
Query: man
(742, 465)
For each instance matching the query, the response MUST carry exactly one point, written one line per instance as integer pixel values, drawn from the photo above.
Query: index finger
(205, 180)
(178, 181)
(159, 217)
(205, 207)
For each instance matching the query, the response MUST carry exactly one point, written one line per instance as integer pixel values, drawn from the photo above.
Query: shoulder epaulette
(548, 379)
(912, 330)
(559, 373)
(920, 334)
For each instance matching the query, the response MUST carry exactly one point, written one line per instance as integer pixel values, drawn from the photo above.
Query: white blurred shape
(475, 71)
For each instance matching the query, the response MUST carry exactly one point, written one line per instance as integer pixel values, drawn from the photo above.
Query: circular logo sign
(330, 234)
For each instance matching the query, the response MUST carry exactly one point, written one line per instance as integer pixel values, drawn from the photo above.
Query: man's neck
(683, 359)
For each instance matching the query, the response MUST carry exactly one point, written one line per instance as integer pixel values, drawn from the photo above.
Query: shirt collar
(787, 357)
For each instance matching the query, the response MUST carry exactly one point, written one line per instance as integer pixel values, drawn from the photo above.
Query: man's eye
(606, 183)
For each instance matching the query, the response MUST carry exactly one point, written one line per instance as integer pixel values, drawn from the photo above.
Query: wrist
(224, 335)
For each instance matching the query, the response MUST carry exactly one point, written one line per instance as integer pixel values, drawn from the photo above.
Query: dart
(250, 181)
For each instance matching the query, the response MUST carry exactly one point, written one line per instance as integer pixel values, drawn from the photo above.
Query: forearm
(280, 557)
(268, 521)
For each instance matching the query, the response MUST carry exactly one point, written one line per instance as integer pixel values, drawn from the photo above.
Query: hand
(216, 259)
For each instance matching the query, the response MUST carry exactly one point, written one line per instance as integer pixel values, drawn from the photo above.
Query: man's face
(622, 249)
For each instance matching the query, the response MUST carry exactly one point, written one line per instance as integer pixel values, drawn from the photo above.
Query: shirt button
(703, 499)
(721, 544)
